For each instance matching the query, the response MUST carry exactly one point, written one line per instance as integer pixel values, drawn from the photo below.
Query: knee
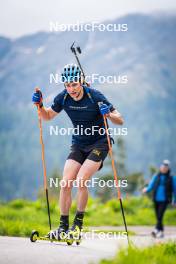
(82, 184)
(66, 185)
(84, 179)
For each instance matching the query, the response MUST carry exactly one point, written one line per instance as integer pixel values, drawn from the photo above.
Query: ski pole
(44, 164)
(73, 49)
(115, 175)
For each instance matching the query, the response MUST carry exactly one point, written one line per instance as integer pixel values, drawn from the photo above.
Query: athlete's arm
(47, 113)
(116, 117)
(106, 108)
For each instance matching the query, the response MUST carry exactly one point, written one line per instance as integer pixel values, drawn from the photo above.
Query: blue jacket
(160, 191)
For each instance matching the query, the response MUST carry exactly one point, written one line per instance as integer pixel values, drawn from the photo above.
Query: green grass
(19, 217)
(157, 254)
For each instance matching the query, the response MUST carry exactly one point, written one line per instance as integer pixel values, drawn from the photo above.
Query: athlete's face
(73, 88)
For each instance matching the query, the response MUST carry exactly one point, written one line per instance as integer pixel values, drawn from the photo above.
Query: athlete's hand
(104, 109)
(37, 97)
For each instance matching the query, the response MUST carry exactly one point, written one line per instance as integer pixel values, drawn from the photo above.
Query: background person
(163, 186)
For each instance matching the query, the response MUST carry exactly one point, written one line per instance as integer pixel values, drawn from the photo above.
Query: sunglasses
(165, 165)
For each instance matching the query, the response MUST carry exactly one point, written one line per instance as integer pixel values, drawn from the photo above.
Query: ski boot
(58, 234)
(74, 233)
(61, 232)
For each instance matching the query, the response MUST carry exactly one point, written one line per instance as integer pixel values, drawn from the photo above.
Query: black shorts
(96, 152)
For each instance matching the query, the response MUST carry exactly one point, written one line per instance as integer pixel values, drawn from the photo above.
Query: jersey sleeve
(57, 104)
(99, 97)
(151, 184)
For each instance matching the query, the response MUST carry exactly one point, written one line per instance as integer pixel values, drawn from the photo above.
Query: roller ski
(59, 235)
(54, 237)
(62, 234)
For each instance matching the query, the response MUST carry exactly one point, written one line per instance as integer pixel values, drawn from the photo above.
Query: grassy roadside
(157, 254)
(19, 217)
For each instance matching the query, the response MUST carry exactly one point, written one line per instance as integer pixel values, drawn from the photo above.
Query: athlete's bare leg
(71, 170)
(88, 168)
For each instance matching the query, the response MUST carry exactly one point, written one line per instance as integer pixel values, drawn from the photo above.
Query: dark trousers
(160, 208)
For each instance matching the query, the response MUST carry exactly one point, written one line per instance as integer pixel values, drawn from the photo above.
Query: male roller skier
(88, 150)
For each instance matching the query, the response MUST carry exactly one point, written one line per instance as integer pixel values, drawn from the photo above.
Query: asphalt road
(15, 250)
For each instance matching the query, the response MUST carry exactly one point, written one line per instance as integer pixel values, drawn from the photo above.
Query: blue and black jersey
(84, 114)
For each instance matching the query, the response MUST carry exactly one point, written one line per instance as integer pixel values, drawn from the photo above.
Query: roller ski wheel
(63, 237)
(69, 243)
(34, 236)
(74, 234)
